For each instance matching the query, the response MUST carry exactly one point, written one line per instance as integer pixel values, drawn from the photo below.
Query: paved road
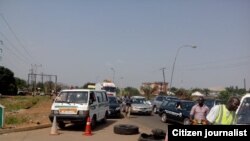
(151, 122)
(102, 132)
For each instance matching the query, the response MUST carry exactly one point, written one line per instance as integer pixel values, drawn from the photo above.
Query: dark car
(176, 110)
(156, 103)
(212, 102)
(114, 107)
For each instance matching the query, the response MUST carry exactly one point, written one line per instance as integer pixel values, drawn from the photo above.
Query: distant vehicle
(243, 111)
(76, 105)
(157, 101)
(114, 107)
(212, 102)
(108, 86)
(176, 110)
(140, 105)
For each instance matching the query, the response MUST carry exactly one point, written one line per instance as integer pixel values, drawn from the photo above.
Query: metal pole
(172, 74)
(113, 74)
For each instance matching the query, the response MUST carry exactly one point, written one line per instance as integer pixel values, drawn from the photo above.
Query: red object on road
(88, 128)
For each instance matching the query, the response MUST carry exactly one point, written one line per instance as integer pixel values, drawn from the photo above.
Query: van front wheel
(61, 125)
(93, 122)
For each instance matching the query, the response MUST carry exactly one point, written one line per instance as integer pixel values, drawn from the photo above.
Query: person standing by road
(199, 112)
(224, 114)
(128, 105)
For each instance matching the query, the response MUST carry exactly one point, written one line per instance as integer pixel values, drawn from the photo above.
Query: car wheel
(126, 129)
(93, 122)
(104, 120)
(164, 117)
(186, 121)
(61, 125)
(155, 110)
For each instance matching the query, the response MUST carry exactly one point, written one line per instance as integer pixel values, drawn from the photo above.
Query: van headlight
(55, 112)
(117, 108)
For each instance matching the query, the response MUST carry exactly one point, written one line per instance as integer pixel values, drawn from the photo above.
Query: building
(161, 87)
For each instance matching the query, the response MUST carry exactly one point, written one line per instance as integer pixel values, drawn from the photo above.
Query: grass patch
(13, 119)
(15, 103)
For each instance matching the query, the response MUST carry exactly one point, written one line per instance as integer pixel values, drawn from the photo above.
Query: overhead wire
(15, 35)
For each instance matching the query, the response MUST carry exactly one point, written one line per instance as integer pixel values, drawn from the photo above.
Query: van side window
(99, 97)
(105, 97)
(92, 96)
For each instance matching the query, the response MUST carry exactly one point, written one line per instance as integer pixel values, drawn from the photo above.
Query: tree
(20, 83)
(131, 91)
(7, 82)
(147, 90)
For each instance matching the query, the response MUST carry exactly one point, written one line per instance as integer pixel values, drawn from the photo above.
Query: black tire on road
(148, 137)
(126, 129)
(159, 133)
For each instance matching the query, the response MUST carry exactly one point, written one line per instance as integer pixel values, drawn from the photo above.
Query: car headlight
(117, 108)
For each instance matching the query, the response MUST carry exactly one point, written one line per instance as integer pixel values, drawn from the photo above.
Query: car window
(164, 104)
(138, 101)
(187, 105)
(159, 98)
(171, 104)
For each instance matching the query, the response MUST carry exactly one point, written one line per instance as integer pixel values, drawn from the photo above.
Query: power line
(23, 58)
(15, 35)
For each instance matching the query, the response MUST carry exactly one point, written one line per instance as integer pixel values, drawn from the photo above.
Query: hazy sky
(81, 40)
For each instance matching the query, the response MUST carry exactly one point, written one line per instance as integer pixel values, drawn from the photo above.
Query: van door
(103, 103)
(93, 105)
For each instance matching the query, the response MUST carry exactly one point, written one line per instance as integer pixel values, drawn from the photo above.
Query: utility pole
(164, 82)
(1, 50)
(245, 84)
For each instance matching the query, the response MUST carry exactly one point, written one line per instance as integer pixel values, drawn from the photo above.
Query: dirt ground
(38, 114)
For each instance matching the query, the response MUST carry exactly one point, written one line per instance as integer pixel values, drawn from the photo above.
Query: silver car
(140, 105)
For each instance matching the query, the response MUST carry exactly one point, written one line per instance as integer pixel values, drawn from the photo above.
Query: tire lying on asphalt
(148, 137)
(159, 133)
(126, 129)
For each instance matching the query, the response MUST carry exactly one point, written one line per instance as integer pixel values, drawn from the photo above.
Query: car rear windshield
(138, 100)
(112, 100)
(72, 97)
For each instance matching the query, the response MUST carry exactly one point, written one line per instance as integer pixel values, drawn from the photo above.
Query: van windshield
(109, 89)
(72, 97)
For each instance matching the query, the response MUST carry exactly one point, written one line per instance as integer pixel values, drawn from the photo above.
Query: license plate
(68, 111)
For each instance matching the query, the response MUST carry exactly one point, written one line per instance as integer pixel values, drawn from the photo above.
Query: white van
(243, 111)
(75, 105)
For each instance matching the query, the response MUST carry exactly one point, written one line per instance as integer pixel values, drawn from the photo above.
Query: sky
(128, 41)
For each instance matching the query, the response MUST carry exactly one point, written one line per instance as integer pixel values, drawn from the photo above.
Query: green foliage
(7, 82)
(147, 90)
(231, 91)
(12, 119)
(183, 94)
(131, 91)
(20, 83)
(15, 103)
(21, 102)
